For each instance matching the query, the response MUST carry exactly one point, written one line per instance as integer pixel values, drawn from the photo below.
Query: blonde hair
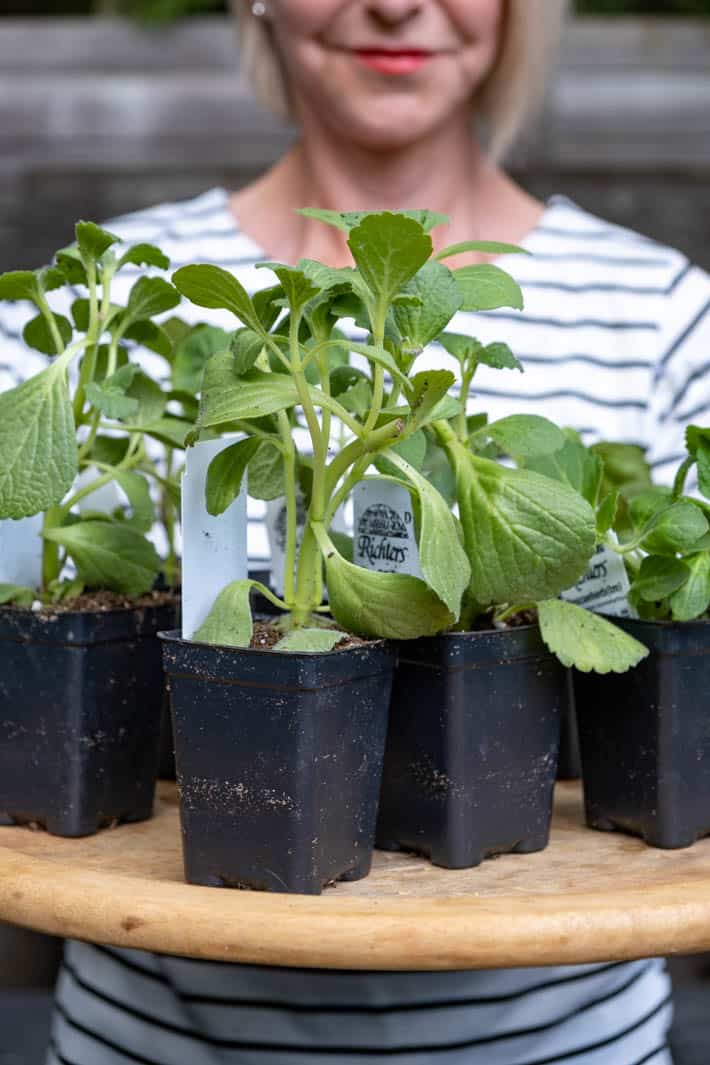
(505, 103)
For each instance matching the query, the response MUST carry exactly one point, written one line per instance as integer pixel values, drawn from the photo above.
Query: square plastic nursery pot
(80, 705)
(279, 762)
(569, 766)
(645, 737)
(472, 747)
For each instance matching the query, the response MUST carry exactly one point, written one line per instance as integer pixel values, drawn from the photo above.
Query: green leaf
(37, 335)
(246, 347)
(442, 558)
(388, 249)
(440, 298)
(150, 397)
(265, 305)
(585, 640)
(110, 397)
(151, 336)
(573, 464)
(625, 467)
(485, 247)
(137, 490)
(92, 241)
(344, 377)
(347, 220)
(343, 543)
(266, 473)
(19, 285)
(192, 354)
(70, 265)
(392, 605)
(648, 504)
(316, 641)
(676, 529)
(412, 450)
(703, 460)
(229, 622)
(465, 349)
(145, 255)
(694, 434)
(16, 594)
(357, 398)
(149, 296)
(109, 555)
(527, 537)
(427, 389)
(168, 430)
(487, 287)
(211, 286)
(109, 450)
(692, 599)
(227, 398)
(499, 357)
(606, 514)
(659, 577)
(298, 287)
(524, 436)
(38, 454)
(226, 472)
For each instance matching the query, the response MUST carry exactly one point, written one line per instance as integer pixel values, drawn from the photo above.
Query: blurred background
(107, 106)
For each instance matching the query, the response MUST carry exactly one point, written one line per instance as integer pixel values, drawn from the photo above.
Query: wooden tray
(589, 897)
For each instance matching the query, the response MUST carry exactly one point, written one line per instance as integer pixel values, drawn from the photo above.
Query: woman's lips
(405, 61)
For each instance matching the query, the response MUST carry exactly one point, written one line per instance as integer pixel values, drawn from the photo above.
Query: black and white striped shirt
(615, 340)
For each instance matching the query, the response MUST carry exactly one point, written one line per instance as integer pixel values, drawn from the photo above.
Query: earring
(258, 9)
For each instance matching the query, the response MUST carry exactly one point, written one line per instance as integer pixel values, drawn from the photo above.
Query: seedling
(90, 412)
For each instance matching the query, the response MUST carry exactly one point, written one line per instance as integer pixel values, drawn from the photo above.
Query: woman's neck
(447, 173)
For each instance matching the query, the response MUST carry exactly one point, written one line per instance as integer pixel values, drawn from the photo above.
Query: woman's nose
(392, 12)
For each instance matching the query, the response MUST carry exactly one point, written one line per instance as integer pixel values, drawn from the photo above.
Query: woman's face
(385, 72)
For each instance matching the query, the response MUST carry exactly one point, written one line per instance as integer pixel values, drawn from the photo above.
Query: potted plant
(644, 737)
(80, 676)
(279, 751)
(475, 720)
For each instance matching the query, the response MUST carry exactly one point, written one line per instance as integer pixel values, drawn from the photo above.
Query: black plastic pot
(645, 737)
(80, 700)
(570, 765)
(472, 746)
(279, 762)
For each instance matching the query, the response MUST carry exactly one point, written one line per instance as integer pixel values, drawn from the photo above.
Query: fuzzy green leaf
(148, 297)
(585, 640)
(347, 220)
(168, 430)
(246, 347)
(678, 528)
(573, 464)
(37, 334)
(152, 336)
(703, 460)
(427, 389)
(192, 354)
(499, 357)
(145, 255)
(442, 558)
(229, 622)
(388, 249)
(16, 594)
(68, 262)
(19, 285)
(38, 454)
(109, 555)
(487, 287)
(606, 514)
(150, 398)
(110, 397)
(266, 473)
(92, 241)
(527, 537)
(440, 299)
(392, 605)
(692, 599)
(211, 286)
(227, 398)
(298, 287)
(524, 436)
(413, 450)
(226, 472)
(316, 641)
(659, 577)
(137, 489)
(484, 247)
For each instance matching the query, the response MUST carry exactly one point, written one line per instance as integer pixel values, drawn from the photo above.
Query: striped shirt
(615, 341)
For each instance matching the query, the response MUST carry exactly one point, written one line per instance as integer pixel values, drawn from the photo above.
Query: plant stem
(289, 454)
(378, 384)
(51, 321)
(466, 378)
(51, 564)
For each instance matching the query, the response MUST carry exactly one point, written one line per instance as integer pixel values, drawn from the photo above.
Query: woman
(614, 338)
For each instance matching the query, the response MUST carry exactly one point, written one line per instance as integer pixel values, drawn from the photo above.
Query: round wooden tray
(589, 897)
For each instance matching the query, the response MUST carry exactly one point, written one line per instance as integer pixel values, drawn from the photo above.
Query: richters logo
(378, 525)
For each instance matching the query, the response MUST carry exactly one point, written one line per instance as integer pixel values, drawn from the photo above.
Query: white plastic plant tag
(21, 551)
(604, 588)
(214, 550)
(383, 533)
(276, 531)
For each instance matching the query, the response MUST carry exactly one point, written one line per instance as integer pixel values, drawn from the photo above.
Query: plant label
(604, 588)
(214, 550)
(276, 532)
(21, 551)
(383, 533)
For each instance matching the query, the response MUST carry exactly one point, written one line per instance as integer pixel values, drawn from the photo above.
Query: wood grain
(588, 897)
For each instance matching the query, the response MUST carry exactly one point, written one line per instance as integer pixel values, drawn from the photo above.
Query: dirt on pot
(268, 633)
(100, 602)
